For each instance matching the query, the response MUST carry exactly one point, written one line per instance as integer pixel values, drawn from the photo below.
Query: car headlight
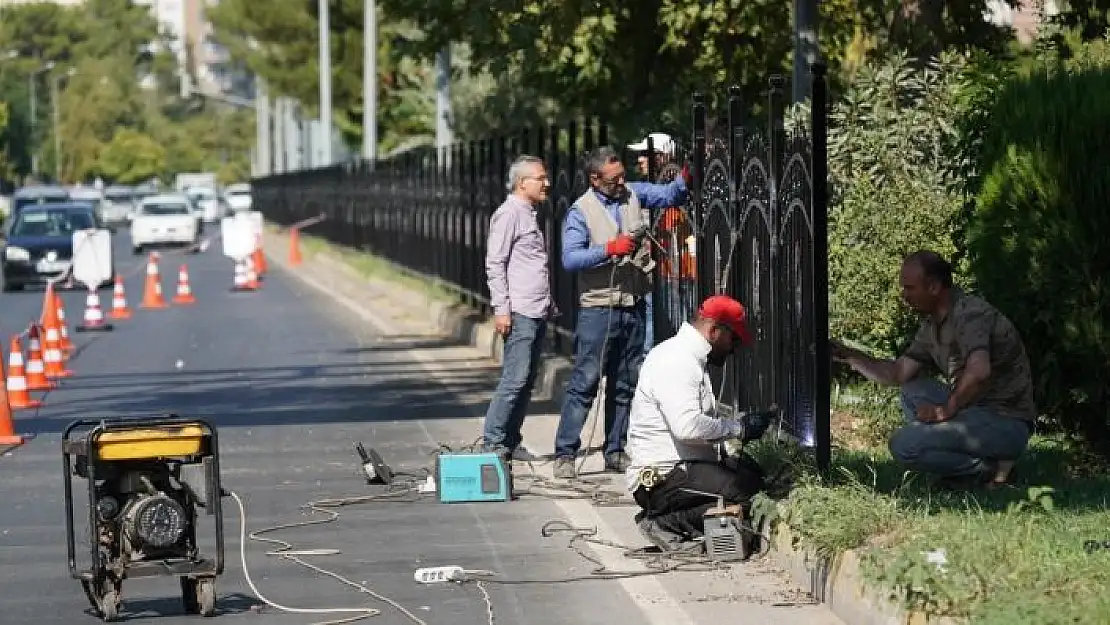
(16, 254)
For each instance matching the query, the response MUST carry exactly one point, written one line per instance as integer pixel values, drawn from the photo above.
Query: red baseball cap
(728, 312)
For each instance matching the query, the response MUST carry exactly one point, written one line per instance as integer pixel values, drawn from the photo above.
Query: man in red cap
(674, 433)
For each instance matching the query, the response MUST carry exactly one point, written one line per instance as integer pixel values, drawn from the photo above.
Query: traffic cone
(184, 293)
(63, 327)
(295, 247)
(152, 293)
(36, 368)
(119, 302)
(259, 258)
(244, 276)
(8, 436)
(18, 396)
(52, 355)
(94, 317)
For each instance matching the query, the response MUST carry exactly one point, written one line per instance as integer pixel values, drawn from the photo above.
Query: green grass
(371, 266)
(1011, 556)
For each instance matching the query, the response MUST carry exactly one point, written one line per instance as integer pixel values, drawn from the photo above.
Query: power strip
(442, 574)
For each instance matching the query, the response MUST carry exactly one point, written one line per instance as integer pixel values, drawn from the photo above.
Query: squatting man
(675, 433)
(970, 431)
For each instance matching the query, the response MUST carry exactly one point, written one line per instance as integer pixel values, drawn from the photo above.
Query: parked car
(39, 244)
(164, 219)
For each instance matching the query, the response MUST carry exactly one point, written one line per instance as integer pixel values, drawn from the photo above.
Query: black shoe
(523, 454)
(617, 462)
(659, 536)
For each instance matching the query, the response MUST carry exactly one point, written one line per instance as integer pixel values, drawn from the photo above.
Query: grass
(993, 558)
(371, 266)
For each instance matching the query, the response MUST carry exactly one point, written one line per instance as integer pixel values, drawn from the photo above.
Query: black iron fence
(754, 227)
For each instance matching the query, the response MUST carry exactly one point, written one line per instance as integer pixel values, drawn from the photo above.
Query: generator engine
(147, 512)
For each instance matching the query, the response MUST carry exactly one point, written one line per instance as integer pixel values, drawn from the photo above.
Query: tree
(132, 157)
(5, 157)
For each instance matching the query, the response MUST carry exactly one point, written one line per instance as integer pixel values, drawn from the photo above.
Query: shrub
(897, 163)
(1037, 239)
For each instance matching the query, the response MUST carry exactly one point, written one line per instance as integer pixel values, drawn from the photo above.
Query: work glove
(755, 424)
(621, 245)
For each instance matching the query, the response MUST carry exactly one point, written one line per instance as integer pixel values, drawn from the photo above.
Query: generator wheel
(206, 596)
(189, 595)
(109, 606)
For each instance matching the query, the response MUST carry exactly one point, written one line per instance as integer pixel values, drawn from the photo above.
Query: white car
(238, 196)
(164, 219)
(210, 203)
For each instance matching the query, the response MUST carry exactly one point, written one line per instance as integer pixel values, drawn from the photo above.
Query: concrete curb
(835, 583)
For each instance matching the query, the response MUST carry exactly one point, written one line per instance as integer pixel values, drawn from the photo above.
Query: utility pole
(325, 83)
(370, 82)
(262, 129)
(443, 106)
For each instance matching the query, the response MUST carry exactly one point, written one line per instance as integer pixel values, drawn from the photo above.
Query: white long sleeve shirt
(673, 414)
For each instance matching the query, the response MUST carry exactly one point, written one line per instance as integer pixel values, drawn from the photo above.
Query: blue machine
(470, 477)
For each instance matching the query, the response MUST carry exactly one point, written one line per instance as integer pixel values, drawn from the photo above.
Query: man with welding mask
(605, 242)
(678, 465)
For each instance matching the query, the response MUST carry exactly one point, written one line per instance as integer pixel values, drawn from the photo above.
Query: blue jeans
(624, 354)
(519, 366)
(958, 446)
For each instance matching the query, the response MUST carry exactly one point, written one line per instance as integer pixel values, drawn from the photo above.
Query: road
(291, 382)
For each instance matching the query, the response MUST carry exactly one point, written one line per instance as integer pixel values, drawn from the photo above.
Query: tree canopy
(101, 57)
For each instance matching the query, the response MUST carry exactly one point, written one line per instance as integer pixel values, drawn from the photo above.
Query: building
(208, 67)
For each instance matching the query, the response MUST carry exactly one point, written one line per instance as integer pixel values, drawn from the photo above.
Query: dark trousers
(519, 365)
(619, 332)
(737, 478)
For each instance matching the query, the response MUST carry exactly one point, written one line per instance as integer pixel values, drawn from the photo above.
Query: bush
(1037, 239)
(897, 164)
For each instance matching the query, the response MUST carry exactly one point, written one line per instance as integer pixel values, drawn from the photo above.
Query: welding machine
(471, 477)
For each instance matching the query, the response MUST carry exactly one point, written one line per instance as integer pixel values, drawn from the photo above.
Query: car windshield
(118, 198)
(201, 194)
(32, 200)
(50, 223)
(165, 208)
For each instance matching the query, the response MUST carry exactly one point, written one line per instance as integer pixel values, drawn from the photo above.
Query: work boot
(523, 454)
(659, 536)
(564, 468)
(617, 462)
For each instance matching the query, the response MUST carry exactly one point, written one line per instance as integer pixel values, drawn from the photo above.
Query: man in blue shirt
(603, 244)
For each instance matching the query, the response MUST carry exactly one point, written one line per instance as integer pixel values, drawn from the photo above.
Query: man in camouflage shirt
(972, 428)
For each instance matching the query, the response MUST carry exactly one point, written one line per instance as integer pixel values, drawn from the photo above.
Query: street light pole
(325, 83)
(57, 134)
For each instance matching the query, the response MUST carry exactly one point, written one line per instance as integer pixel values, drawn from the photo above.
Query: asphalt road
(291, 383)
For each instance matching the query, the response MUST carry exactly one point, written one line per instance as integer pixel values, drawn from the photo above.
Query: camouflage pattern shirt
(972, 324)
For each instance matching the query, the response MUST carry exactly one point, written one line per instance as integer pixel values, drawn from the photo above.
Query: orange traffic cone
(94, 317)
(119, 301)
(152, 293)
(259, 257)
(63, 327)
(295, 247)
(18, 396)
(245, 280)
(52, 355)
(7, 425)
(36, 368)
(184, 292)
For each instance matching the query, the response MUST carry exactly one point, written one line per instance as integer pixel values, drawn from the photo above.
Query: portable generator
(147, 478)
(472, 477)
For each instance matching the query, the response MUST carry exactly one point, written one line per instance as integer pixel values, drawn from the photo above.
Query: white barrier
(238, 236)
(92, 257)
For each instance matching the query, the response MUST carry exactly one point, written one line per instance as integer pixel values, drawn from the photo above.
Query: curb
(836, 583)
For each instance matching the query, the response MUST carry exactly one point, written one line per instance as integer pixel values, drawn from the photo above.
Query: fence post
(819, 204)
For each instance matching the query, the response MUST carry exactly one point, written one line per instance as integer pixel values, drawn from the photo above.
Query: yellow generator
(147, 479)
